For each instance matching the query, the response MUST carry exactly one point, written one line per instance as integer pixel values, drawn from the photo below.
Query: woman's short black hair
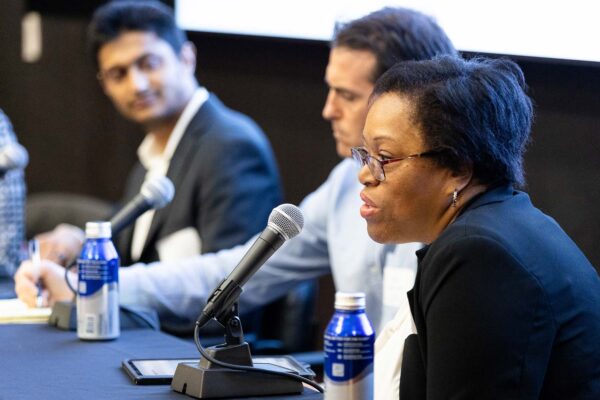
(475, 111)
(116, 17)
(394, 35)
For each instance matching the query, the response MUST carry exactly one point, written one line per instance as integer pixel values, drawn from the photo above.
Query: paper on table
(14, 311)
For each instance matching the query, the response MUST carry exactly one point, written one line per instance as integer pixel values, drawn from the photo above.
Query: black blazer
(506, 307)
(226, 183)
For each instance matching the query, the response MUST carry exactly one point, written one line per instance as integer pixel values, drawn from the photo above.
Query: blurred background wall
(78, 143)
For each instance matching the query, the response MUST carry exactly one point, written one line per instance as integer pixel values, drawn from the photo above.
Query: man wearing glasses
(224, 172)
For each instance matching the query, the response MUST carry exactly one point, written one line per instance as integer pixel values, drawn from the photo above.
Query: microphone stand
(209, 380)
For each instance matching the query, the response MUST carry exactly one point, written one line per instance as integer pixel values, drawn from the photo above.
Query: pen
(36, 260)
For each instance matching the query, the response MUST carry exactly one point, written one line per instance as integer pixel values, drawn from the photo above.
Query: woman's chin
(385, 236)
(377, 234)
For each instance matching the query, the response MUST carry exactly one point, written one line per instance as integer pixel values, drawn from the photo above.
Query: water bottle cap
(98, 230)
(350, 301)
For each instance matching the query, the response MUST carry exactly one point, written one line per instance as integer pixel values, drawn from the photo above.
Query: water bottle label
(349, 367)
(347, 357)
(98, 315)
(93, 274)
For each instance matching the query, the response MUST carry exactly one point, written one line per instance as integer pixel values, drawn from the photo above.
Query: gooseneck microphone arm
(155, 193)
(229, 290)
(285, 222)
(129, 213)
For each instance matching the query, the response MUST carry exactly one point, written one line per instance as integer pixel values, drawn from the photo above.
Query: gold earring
(454, 198)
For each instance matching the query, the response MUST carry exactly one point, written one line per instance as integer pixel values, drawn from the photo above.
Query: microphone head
(13, 156)
(158, 191)
(287, 219)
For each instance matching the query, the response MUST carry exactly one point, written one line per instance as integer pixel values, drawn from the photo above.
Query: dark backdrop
(78, 143)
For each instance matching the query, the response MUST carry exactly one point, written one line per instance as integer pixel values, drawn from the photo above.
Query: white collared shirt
(389, 349)
(157, 164)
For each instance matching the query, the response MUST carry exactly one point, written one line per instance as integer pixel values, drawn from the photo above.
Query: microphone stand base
(64, 315)
(207, 383)
(206, 380)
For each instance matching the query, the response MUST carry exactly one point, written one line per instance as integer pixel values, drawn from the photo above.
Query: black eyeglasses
(375, 165)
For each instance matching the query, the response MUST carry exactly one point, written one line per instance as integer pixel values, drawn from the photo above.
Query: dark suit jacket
(226, 183)
(506, 307)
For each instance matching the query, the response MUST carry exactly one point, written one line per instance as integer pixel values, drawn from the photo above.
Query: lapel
(180, 164)
(415, 306)
(413, 377)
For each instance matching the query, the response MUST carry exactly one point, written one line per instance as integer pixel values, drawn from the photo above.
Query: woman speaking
(505, 305)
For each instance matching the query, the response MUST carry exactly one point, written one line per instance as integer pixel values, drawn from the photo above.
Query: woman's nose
(365, 176)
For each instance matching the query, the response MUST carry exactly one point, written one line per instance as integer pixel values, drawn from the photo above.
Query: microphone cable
(70, 266)
(250, 369)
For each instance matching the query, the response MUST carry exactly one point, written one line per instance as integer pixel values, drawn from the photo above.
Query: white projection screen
(564, 30)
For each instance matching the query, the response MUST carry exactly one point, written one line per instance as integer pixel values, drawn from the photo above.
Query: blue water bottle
(349, 350)
(98, 287)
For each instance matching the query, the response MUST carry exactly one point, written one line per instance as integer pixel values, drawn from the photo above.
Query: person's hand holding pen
(36, 272)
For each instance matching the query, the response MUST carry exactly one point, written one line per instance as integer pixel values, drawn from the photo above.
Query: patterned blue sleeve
(12, 207)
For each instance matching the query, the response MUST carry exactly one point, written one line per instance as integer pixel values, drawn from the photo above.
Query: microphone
(13, 156)
(223, 363)
(285, 222)
(155, 193)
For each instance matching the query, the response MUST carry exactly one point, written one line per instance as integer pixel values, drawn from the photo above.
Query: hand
(52, 277)
(62, 244)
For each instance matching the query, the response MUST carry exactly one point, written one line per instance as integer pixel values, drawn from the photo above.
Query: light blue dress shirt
(334, 239)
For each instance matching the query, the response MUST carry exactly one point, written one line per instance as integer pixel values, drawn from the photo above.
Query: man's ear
(99, 76)
(187, 55)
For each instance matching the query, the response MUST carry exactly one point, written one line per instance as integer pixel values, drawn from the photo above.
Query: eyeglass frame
(361, 155)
